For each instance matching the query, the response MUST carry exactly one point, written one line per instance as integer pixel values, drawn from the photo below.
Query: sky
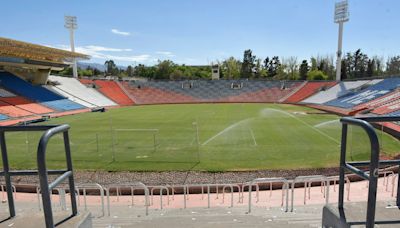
(197, 32)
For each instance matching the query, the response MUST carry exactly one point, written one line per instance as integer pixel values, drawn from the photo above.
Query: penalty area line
(252, 135)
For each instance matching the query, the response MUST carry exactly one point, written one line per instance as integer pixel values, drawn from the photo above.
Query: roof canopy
(28, 51)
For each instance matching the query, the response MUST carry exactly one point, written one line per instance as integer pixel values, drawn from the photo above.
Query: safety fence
(108, 195)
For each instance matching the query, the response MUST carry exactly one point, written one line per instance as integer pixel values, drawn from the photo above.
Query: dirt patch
(178, 177)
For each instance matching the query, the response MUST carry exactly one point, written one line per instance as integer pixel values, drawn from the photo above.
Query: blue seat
(396, 113)
(370, 93)
(37, 93)
(3, 117)
(23, 88)
(63, 105)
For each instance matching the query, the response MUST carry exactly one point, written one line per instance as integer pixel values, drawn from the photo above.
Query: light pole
(341, 16)
(71, 24)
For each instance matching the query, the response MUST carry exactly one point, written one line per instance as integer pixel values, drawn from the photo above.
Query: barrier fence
(167, 193)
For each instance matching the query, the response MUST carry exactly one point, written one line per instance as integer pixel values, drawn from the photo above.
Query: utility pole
(341, 16)
(71, 24)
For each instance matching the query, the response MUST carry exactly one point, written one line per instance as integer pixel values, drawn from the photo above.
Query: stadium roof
(17, 50)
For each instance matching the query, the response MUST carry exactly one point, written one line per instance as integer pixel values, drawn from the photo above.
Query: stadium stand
(36, 93)
(339, 90)
(391, 107)
(156, 96)
(69, 96)
(112, 90)
(379, 101)
(12, 111)
(26, 104)
(372, 92)
(86, 81)
(307, 90)
(3, 117)
(154, 92)
(5, 93)
(79, 93)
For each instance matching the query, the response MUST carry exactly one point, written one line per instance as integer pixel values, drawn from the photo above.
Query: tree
(164, 69)
(176, 75)
(111, 68)
(379, 62)
(324, 64)
(370, 68)
(356, 64)
(66, 71)
(316, 75)
(343, 70)
(259, 70)
(393, 66)
(292, 66)
(313, 64)
(248, 64)
(97, 71)
(129, 71)
(303, 71)
(272, 66)
(231, 68)
(359, 64)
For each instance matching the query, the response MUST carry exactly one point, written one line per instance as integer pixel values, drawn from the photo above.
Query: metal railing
(373, 173)
(42, 172)
(92, 187)
(132, 187)
(256, 182)
(308, 180)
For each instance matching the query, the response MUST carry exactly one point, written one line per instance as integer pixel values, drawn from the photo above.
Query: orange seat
(25, 104)
(306, 91)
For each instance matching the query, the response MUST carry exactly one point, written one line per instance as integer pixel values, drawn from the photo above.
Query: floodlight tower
(71, 24)
(341, 16)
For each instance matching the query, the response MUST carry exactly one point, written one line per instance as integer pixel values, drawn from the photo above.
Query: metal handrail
(42, 172)
(373, 173)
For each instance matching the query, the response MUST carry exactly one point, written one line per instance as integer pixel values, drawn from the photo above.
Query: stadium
(192, 152)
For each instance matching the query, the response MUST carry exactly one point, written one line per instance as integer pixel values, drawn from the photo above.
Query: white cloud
(100, 48)
(166, 53)
(116, 31)
(99, 52)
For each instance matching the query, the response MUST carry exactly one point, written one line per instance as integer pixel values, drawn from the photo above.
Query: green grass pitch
(209, 137)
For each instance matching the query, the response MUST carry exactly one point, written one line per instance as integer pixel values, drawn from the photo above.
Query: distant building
(215, 71)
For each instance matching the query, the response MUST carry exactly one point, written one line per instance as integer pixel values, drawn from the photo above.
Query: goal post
(134, 138)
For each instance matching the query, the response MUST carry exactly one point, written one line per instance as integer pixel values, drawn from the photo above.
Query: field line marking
(252, 135)
(310, 126)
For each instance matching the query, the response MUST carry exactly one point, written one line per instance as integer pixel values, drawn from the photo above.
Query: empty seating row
(79, 93)
(112, 90)
(339, 90)
(157, 96)
(307, 90)
(372, 92)
(391, 107)
(211, 91)
(25, 104)
(3, 117)
(36, 93)
(5, 93)
(13, 111)
(379, 101)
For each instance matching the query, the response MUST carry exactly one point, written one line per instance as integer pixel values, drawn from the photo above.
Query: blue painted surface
(365, 95)
(36, 93)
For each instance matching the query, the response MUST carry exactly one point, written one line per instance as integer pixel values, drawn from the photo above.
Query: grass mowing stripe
(284, 141)
(308, 125)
